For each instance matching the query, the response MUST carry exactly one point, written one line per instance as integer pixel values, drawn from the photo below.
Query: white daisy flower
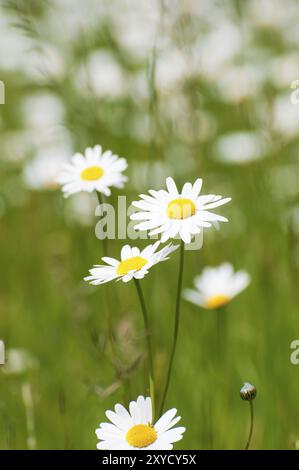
(217, 286)
(93, 171)
(133, 429)
(172, 213)
(134, 264)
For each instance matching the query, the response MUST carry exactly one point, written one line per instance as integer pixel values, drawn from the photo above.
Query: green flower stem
(148, 342)
(29, 409)
(105, 240)
(221, 315)
(176, 325)
(251, 426)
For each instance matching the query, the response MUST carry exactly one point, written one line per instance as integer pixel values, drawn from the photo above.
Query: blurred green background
(188, 89)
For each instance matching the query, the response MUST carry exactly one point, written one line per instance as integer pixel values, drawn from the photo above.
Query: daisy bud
(248, 392)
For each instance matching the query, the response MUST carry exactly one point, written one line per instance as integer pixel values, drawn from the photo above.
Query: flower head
(217, 286)
(172, 213)
(248, 392)
(133, 264)
(93, 171)
(134, 430)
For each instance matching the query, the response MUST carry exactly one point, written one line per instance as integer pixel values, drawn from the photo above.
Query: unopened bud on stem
(248, 392)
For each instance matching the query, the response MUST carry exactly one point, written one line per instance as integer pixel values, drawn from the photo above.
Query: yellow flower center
(92, 173)
(141, 435)
(181, 209)
(131, 264)
(217, 301)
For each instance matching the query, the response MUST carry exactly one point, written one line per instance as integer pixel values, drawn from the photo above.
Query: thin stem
(148, 342)
(221, 331)
(251, 426)
(28, 403)
(104, 240)
(176, 325)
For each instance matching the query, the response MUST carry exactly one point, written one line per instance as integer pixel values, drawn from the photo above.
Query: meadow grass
(66, 325)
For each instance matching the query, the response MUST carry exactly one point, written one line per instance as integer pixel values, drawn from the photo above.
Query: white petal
(146, 225)
(121, 411)
(149, 410)
(240, 281)
(165, 419)
(128, 277)
(212, 205)
(109, 427)
(111, 261)
(193, 296)
(187, 190)
(126, 252)
(134, 411)
(142, 409)
(171, 186)
(120, 421)
(185, 234)
(197, 186)
(173, 435)
(173, 423)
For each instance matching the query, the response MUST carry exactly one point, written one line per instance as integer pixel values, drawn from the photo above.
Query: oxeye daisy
(133, 264)
(172, 213)
(216, 287)
(134, 430)
(93, 171)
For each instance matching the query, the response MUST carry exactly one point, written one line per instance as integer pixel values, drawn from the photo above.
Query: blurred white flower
(102, 75)
(15, 145)
(42, 110)
(284, 69)
(238, 83)
(134, 25)
(13, 46)
(216, 287)
(272, 13)
(171, 70)
(81, 209)
(19, 361)
(46, 61)
(42, 171)
(139, 87)
(134, 264)
(285, 116)
(77, 18)
(239, 147)
(212, 52)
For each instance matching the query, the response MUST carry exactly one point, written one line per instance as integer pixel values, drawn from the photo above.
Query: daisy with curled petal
(172, 213)
(134, 430)
(216, 287)
(93, 171)
(133, 264)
